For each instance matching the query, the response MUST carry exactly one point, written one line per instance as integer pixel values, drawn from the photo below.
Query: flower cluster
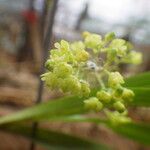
(113, 96)
(70, 64)
(64, 68)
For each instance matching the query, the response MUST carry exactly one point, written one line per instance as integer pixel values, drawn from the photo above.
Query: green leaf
(54, 140)
(139, 80)
(140, 84)
(54, 108)
(76, 118)
(142, 97)
(59, 107)
(137, 132)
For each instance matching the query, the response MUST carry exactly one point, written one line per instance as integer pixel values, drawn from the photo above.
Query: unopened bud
(82, 55)
(119, 106)
(104, 96)
(93, 103)
(116, 118)
(63, 69)
(109, 36)
(127, 94)
(118, 92)
(92, 41)
(115, 78)
(85, 34)
(85, 90)
(49, 64)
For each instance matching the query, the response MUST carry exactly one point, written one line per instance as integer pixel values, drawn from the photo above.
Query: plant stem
(100, 80)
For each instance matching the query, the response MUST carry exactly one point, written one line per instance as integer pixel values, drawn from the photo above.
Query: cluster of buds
(69, 64)
(113, 95)
(63, 69)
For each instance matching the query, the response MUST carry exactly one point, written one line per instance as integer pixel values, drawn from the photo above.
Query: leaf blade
(59, 107)
(134, 131)
(53, 139)
(140, 80)
(142, 97)
(138, 132)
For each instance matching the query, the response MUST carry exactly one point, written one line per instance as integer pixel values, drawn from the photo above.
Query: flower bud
(73, 84)
(122, 51)
(54, 53)
(63, 69)
(111, 54)
(104, 96)
(117, 118)
(92, 41)
(64, 45)
(85, 34)
(99, 106)
(119, 106)
(77, 45)
(114, 79)
(127, 94)
(63, 86)
(120, 46)
(109, 36)
(117, 43)
(57, 45)
(85, 90)
(93, 103)
(118, 92)
(51, 80)
(49, 64)
(82, 55)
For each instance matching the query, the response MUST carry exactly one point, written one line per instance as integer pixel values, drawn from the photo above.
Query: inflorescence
(75, 68)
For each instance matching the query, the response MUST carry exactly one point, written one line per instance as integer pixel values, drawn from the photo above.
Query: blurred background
(23, 27)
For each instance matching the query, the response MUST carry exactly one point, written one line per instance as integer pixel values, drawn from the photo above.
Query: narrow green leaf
(140, 84)
(137, 132)
(75, 118)
(54, 140)
(134, 131)
(139, 80)
(142, 97)
(55, 108)
(59, 107)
